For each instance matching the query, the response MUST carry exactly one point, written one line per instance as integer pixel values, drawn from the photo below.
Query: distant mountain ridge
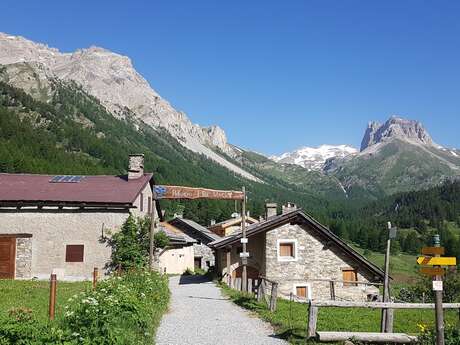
(112, 79)
(313, 158)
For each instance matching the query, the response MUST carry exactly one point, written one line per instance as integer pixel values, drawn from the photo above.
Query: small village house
(229, 226)
(58, 223)
(301, 255)
(178, 256)
(203, 255)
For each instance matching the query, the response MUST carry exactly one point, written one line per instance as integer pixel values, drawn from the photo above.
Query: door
(7, 257)
(197, 262)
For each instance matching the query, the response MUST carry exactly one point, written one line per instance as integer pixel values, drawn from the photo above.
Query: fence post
(312, 320)
(52, 304)
(389, 323)
(274, 296)
(332, 288)
(260, 290)
(95, 276)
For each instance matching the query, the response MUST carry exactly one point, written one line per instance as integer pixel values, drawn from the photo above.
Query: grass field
(35, 295)
(290, 319)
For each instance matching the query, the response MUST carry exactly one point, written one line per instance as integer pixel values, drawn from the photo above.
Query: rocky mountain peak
(395, 128)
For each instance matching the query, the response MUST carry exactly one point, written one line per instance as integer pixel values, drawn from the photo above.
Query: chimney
(213, 222)
(289, 207)
(178, 215)
(136, 166)
(270, 210)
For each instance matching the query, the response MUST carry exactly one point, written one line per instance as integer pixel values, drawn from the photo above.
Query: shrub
(428, 336)
(122, 310)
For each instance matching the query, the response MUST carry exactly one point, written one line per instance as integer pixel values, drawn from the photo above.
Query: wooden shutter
(287, 249)
(349, 274)
(301, 291)
(74, 252)
(142, 202)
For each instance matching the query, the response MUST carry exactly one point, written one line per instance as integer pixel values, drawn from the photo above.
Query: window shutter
(349, 274)
(74, 253)
(301, 291)
(287, 249)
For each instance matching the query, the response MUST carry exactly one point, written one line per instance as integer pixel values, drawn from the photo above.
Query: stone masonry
(23, 258)
(206, 254)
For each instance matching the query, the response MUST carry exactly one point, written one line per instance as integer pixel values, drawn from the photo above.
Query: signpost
(434, 261)
(161, 192)
(386, 323)
(244, 241)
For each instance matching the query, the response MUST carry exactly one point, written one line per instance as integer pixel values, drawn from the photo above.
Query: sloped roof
(174, 234)
(298, 216)
(196, 227)
(100, 189)
(233, 221)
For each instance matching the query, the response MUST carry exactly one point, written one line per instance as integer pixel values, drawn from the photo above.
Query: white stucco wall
(53, 229)
(177, 260)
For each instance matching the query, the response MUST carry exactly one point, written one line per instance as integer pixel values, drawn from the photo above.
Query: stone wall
(314, 260)
(23, 258)
(206, 254)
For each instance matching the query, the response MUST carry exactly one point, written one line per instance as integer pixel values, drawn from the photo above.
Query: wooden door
(197, 262)
(7, 257)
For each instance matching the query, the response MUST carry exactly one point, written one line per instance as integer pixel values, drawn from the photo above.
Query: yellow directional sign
(433, 271)
(433, 250)
(436, 261)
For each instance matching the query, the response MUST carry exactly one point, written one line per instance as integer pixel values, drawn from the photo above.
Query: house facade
(203, 255)
(57, 224)
(302, 255)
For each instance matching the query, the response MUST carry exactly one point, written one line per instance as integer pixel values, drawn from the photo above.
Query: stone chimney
(289, 207)
(213, 222)
(271, 210)
(136, 166)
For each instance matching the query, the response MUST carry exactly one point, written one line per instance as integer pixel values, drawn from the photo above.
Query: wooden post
(244, 261)
(260, 290)
(52, 304)
(228, 259)
(249, 285)
(312, 320)
(95, 276)
(438, 303)
(389, 321)
(386, 285)
(274, 296)
(332, 288)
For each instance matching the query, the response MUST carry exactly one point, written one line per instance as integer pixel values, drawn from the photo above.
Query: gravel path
(200, 314)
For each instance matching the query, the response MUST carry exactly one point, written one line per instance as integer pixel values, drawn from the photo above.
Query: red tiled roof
(91, 189)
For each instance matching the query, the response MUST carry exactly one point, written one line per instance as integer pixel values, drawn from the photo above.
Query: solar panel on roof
(66, 179)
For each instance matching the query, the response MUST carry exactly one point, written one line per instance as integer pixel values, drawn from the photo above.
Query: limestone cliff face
(396, 128)
(112, 79)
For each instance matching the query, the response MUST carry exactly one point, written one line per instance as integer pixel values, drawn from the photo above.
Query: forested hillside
(418, 215)
(73, 134)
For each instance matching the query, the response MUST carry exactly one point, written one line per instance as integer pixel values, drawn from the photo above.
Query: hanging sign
(179, 192)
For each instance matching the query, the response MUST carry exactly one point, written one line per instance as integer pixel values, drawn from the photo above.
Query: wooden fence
(265, 289)
(364, 336)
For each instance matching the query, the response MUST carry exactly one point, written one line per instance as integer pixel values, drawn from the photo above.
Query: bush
(428, 336)
(122, 310)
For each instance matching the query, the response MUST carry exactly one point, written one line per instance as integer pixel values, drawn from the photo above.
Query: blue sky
(276, 75)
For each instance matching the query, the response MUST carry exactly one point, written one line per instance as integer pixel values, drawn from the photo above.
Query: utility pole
(244, 254)
(385, 325)
(437, 287)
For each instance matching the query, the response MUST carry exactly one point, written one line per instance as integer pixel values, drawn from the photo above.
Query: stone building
(302, 255)
(229, 226)
(203, 255)
(58, 223)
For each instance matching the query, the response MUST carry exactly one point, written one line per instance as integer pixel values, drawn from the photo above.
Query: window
(287, 250)
(302, 291)
(74, 253)
(142, 202)
(349, 275)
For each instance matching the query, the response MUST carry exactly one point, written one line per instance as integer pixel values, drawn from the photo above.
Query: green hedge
(122, 310)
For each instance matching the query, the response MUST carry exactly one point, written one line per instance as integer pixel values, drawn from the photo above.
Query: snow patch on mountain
(313, 158)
